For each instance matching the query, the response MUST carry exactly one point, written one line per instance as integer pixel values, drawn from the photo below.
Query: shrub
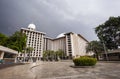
(85, 61)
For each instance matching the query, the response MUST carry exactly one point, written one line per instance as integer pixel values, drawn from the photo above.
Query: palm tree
(61, 53)
(96, 47)
(45, 55)
(23, 52)
(49, 55)
(53, 55)
(29, 50)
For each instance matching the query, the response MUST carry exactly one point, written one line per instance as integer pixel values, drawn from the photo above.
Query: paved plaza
(61, 70)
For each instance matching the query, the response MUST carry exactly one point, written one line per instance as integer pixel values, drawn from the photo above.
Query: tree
(109, 32)
(49, 55)
(29, 50)
(96, 47)
(60, 53)
(53, 55)
(3, 39)
(17, 41)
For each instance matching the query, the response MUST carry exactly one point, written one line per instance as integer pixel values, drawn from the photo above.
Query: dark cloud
(55, 17)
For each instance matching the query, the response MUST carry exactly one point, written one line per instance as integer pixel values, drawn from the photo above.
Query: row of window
(33, 54)
(35, 38)
(26, 31)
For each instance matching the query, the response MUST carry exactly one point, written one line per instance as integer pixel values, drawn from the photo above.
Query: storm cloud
(56, 16)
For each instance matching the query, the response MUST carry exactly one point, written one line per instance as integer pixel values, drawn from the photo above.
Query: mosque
(71, 43)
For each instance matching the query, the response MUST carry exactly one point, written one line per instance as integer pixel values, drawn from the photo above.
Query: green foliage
(17, 41)
(49, 55)
(53, 55)
(84, 61)
(109, 32)
(60, 53)
(96, 47)
(3, 39)
(29, 49)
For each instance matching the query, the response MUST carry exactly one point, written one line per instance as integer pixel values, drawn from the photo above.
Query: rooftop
(8, 50)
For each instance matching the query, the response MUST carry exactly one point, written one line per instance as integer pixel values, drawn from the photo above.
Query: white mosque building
(71, 43)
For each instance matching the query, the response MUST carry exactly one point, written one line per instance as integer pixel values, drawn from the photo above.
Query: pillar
(1, 54)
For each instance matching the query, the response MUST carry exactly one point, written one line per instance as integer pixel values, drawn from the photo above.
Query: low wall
(9, 65)
(9, 60)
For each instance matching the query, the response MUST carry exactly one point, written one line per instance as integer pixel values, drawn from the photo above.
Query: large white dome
(61, 35)
(32, 26)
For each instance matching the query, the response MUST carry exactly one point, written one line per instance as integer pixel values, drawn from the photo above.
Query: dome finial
(31, 26)
(60, 35)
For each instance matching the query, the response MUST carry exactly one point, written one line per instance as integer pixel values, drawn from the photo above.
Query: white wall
(79, 45)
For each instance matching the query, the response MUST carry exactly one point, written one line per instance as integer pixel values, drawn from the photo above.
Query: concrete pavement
(17, 72)
(61, 70)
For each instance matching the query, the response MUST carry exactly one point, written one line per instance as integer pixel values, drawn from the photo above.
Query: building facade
(71, 43)
(35, 39)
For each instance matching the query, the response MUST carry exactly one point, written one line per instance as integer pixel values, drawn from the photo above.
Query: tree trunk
(97, 56)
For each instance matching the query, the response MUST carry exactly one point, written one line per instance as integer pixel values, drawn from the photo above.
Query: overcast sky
(56, 16)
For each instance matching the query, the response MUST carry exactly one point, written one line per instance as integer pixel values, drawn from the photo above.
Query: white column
(1, 54)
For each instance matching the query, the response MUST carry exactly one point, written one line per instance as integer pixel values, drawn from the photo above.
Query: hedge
(85, 61)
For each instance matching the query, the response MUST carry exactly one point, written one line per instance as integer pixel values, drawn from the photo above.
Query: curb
(32, 71)
(82, 66)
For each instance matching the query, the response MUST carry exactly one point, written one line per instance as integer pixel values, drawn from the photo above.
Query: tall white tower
(35, 39)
